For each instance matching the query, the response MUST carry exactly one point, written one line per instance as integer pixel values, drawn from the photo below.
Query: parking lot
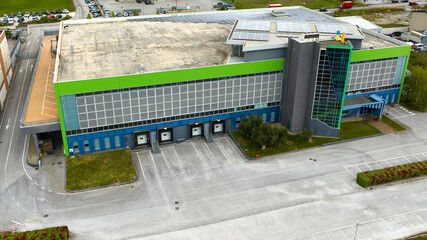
(177, 168)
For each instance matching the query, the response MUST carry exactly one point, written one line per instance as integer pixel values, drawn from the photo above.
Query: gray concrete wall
(129, 141)
(41, 128)
(261, 55)
(299, 83)
(321, 129)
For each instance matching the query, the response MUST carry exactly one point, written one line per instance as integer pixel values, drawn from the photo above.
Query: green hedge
(53, 233)
(374, 177)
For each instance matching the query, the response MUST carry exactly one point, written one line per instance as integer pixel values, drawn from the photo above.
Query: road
(287, 196)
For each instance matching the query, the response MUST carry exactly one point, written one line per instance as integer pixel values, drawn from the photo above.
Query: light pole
(357, 226)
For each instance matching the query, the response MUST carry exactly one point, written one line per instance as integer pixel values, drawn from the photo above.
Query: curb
(100, 187)
(353, 139)
(244, 154)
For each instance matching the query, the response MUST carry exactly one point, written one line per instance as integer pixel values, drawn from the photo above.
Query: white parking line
(145, 179)
(368, 166)
(219, 165)
(179, 159)
(349, 172)
(234, 149)
(205, 165)
(154, 162)
(222, 150)
(166, 162)
(425, 224)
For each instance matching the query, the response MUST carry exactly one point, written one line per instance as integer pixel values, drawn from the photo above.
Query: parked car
(346, 4)
(59, 16)
(40, 14)
(147, 2)
(11, 15)
(34, 18)
(125, 14)
(51, 16)
(11, 21)
(119, 15)
(5, 16)
(139, 1)
(54, 12)
(413, 4)
(19, 15)
(97, 14)
(87, 1)
(47, 13)
(33, 14)
(323, 10)
(394, 1)
(21, 19)
(27, 14)
(65, 11)
(404, 0)
(5, 21)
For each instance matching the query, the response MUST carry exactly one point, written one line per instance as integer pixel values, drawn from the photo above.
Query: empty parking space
(400, 112)
(362, 167)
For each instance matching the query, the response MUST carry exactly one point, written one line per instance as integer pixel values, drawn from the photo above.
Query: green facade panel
(363, 55)
(128, 81)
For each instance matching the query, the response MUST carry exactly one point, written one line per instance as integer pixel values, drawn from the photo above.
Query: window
(273, 117)
(237, 122)
(107, 142)
(264, 117)
(76, 147)
(86, 144)
(96, 144)
(117, 140)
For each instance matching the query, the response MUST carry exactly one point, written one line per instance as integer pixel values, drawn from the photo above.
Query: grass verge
(349, 130)
(375, 177)
(368, 12)
(392, 124)
(392, 25)
(15, 6)
(312, 4)
(99, 169)
(58, 233)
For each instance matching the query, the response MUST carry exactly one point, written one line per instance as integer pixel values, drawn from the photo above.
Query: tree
(415, 93)
(264, 135)
(247, 124)
(89, 16)
(306, 133)
(136, 13)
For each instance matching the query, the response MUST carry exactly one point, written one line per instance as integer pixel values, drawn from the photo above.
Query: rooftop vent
(279, 13)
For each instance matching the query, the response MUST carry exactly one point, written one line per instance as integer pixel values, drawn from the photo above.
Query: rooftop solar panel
(254, 26)
(250, 36)
(333, 28)
(293, 27)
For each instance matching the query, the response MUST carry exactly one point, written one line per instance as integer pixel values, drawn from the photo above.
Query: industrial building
(151, 80)
(5, 69)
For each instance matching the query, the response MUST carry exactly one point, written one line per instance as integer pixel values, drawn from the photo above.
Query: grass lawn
(392, 25)
(392, 124)
(15, 6)
(99, 169)
(313, 4)
(369, 13)
(349, 130)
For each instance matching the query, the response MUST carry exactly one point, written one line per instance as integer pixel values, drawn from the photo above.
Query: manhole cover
(45, 216)
(53, 164)
(176, 202)
(59, 162)
(37, 168)
(177, 208)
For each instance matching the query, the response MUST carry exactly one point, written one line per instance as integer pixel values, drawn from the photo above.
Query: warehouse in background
(151, 80)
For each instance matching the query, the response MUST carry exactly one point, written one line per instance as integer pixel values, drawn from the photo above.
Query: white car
(11, 21)
(27, 15)
(65, 11)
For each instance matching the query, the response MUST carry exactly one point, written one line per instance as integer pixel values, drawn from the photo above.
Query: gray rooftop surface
(105, 49)
(294, 14)
(357, 100)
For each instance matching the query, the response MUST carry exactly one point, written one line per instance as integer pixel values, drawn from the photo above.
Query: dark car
(33, 14)
(11, 15)
(54, 12)
(59, 11)
(220, 3)
(119, 15)
(21, 19)
(19, 15)
(394, 1)
(97, 14)
(139, 1)
(323, 10)
(404, 0)
(59, 16)
(5, 21)
(147, 2)
(47, 13)
(413, 4)
(40, 14)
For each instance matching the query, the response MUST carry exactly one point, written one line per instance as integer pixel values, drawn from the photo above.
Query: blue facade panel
(267, 112)
(390, 95)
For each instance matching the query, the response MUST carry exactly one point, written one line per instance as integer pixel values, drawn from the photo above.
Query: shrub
(248, 124)
(89, 16)
(57, 233)
(374, 177)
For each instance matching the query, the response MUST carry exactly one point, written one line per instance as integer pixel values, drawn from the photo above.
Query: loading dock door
(218, 126)
(196, 131)
(142, 139)
(166, 136)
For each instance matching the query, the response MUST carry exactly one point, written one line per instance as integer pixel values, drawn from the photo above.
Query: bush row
(374, 177)
(53, 233)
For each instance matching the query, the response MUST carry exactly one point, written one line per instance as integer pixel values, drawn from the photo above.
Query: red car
(51, 16)
(413, 4)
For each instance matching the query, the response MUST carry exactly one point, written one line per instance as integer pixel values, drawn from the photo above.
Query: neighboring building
(361, 22)
(5, 69)
(152, 80)
(418, 20)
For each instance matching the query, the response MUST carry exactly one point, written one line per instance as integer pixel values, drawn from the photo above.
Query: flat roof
(96, 49)
(41, 107)
(349, 101)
